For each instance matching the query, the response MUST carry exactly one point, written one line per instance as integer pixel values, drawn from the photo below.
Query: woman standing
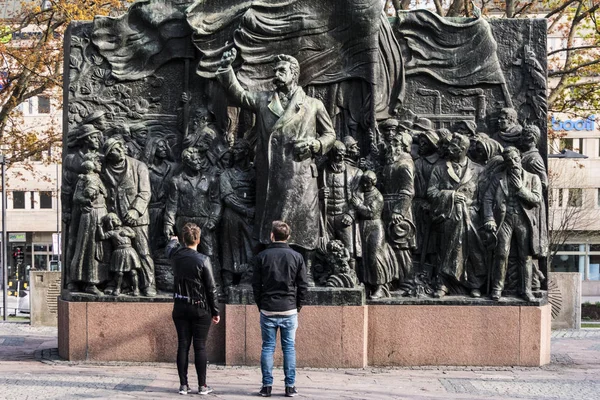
(195, 304)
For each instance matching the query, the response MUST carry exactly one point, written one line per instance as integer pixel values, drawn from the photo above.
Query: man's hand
(347, 220)
(490, 226)
(397, 218)
(228, 58)
(174, 238)
(514, 179)
(168, 231)
(315, 146)
(356, 201)
(185, 97)
(131, 217)
(460, 198)
(324, 193)
(216, 319)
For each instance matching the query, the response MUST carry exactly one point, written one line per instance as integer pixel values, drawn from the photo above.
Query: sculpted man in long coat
(292, 128)
(128, 183)
(454, 197)
(511, 209)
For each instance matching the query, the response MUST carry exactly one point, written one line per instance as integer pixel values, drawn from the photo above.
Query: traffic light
(19, 256)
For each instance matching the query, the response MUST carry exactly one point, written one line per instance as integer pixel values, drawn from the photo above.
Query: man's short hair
(281, 231)
(533, 131)
(190, 233)
(511, 113)
(294, 64)
(510, 150)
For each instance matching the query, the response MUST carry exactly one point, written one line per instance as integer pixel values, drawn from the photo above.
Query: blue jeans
(268, 327)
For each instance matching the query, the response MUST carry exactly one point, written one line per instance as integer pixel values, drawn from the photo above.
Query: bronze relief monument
(400, 150)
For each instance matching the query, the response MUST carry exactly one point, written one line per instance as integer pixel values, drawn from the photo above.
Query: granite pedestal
(125, 329)
(337, 329)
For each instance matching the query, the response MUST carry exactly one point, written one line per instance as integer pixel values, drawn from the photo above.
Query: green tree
(31, 65)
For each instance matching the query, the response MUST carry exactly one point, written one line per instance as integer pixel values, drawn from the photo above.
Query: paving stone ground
(30, 368)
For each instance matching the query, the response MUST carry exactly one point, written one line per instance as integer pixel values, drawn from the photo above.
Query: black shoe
(495, 295)
(528, 296)
(149, 291)
(265, 391)
(290, 391)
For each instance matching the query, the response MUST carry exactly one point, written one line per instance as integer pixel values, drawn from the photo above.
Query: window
(560, 198)
(19, 200)
(575, 197)
(572, 144)
(32, 201)
(43, 105)
(45, 199)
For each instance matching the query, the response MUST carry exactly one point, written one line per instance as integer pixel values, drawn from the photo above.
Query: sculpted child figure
(124, 258)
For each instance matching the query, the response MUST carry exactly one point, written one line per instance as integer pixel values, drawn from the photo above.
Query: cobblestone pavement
(31, 369)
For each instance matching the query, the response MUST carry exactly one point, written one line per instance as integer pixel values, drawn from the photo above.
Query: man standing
(292, 129)
(280, 284)
(128, 184)
(338, 183)
(194, 197)
(511, 208)
(454, 198)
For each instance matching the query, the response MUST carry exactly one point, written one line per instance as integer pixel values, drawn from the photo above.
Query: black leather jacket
(193, 277)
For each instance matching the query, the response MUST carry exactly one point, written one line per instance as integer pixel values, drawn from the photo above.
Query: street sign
(17, 237)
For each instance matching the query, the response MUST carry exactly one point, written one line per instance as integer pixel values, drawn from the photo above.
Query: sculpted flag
(334, 40)
(458, 54)
(136, 44)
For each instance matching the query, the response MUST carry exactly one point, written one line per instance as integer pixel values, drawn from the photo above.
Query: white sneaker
(184, 389)
(205, 390)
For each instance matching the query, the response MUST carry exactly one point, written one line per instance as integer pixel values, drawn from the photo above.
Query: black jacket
(193, 277)
(279, 279)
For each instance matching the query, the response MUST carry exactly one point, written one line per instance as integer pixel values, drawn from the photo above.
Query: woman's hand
(216, 319)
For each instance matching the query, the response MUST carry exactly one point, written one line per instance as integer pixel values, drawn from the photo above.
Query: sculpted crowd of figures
(425, 211)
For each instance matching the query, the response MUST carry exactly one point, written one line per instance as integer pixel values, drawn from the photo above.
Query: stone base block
(327, 337)
(125, 331)
(413, 335)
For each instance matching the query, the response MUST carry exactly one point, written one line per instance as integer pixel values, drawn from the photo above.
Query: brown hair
(190, 233)
(281, 231)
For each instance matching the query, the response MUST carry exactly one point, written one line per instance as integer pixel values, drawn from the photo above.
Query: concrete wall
(569, 286)
(590, 288)
(43, 297)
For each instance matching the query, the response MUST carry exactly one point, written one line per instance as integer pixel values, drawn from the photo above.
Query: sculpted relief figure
(509, 129)
(128, 183)
(454, 197)
(426, 238)
(511, 209)
(194, 197)
(158, 158)
(397, 181)
(352, 151)
(82, 140)
(89, 199)
(379, 262)
(292, 129)
(338, 182)
(238, 193)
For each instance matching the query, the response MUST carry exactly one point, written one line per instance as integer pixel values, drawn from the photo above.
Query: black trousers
(192, 324)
